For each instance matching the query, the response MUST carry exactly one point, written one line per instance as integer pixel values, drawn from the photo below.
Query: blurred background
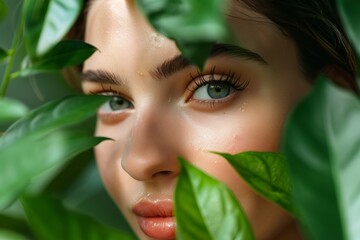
(78, 183)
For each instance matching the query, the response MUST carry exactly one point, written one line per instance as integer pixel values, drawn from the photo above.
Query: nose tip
(149, 165)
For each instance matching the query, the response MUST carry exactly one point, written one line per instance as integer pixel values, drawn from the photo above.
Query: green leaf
(33, 154)
(349, 13)
(190, 23)
(35, 143)
(47, 22)
(65, 54)
(53, 115)
(15, 224)
(322, 142)
(206, 209)
(3, 54)
(11, 110)
(267, 173)
(9, 235)
(51, 220)
(3, 10)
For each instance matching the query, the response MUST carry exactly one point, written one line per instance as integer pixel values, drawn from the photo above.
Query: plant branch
(12, 54)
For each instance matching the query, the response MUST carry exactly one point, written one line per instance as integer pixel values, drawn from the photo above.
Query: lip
(155, 218)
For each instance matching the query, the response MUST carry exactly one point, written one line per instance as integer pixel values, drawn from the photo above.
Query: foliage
(322, 143)
(267, 173)
(193, 24)
(45, 211)
(45, 138)
(321, 140)
(207, 209)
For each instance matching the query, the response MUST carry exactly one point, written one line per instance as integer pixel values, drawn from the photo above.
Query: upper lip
(153, 208)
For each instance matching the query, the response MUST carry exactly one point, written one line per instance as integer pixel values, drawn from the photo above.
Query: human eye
(215, 87)
(116, 108)
(116, 103)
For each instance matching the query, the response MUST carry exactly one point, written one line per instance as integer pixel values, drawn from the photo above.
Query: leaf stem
(12, 53)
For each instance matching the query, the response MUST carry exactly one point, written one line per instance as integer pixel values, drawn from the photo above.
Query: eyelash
(106, 91)
(202, 79)
(197, 81)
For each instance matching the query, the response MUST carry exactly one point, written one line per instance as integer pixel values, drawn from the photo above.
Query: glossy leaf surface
(11, 110)
(35, 153)
(47, 22)
(206, 209)
(267, 173)
(64, 54)
(9, 235)
(53, 115)
(190, 23)
(35, 143)
(51, 220)
(349, 13)
(322, 144)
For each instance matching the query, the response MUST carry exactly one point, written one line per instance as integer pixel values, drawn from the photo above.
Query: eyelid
(235, 80)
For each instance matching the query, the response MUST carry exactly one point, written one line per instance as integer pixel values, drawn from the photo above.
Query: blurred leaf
(206, 209)
(13, 224)
(35, 143)
(51, 220)
(35, 153)
(65, 54)
(3, 10)
(9, 235)
(73, 170)
(267, 173)
(11, 110)
(191, 23)
(349, 13)
(3, 54)
(322, 142)
(47, 22)
(53, 115)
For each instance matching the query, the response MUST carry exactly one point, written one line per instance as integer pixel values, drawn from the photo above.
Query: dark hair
(315, 27)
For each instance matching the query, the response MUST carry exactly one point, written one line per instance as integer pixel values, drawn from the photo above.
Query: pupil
(218, 90)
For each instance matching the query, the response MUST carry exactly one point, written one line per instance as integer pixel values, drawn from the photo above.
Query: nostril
(163, 173)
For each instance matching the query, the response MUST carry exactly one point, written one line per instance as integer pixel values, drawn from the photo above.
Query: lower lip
(158, 227)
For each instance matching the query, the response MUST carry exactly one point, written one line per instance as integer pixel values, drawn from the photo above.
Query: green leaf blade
(33, 154)
(47, 22)
(51, 220)
(53, 115)
(65, 54)
(322, 143)
(11, 110)
(190, 23)
(266, 173)
(37, 142)
(349, 13)
(217, 214)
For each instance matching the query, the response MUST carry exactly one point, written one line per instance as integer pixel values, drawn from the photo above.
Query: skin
(168, 120)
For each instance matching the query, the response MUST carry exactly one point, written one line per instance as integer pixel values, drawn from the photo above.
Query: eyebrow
(179, 62)
(176, 64)
(101, 76)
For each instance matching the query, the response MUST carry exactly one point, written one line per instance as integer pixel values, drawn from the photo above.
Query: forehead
(112, 22)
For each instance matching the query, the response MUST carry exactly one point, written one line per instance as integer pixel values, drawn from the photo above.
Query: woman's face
(164, 108)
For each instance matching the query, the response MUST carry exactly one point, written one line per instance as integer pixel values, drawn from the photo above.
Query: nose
(150, 150)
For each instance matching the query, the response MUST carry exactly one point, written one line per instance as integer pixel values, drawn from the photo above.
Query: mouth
(155, 218)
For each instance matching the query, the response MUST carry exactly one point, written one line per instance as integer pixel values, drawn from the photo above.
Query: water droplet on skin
(156, 39)
(242, 107)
